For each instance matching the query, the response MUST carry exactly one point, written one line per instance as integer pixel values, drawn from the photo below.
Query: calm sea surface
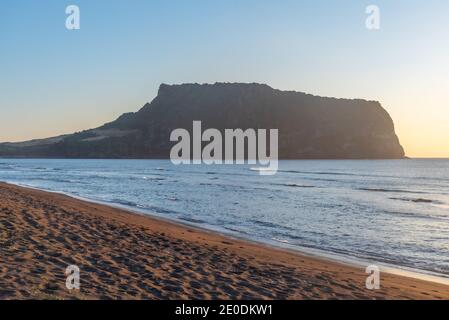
(386, 211)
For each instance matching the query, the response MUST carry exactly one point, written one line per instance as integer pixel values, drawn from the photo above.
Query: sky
(56, 81)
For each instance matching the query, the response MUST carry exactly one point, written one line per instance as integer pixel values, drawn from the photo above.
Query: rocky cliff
(310, 127)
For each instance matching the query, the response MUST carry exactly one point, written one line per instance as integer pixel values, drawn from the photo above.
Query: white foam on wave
(280, 240)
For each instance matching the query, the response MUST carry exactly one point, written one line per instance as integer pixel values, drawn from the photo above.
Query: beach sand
(122, 255)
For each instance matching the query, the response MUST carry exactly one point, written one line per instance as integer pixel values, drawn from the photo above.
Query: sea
(387, 212)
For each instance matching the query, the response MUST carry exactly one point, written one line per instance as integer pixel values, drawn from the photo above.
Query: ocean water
(382, 211)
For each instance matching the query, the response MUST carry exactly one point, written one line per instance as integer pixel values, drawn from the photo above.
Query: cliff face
(310, 127)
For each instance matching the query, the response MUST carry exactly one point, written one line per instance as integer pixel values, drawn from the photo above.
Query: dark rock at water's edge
(310, 127)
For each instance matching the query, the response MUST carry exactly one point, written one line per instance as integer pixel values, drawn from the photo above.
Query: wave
(57, 180)
(363, 175)
(158, 210)
(322, 179)
(280, 240)
(441, 205)
(390, 190)
(124, 202)
(235, 230)
(7, 167)
(207, 184)
(418, 200)
(153, 178)
(271, 225)
(415, 215)
(320, 173)
(189, 219)
(153, 209)
(294, 185)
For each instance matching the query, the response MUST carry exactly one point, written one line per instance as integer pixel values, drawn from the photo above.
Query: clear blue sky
(57, 81)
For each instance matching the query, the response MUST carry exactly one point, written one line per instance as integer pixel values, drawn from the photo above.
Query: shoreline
(297, 275)
(305, 251)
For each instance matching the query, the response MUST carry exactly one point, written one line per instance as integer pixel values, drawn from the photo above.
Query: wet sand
(123, 255)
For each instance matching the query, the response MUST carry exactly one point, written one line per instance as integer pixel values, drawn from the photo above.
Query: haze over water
(386, 211)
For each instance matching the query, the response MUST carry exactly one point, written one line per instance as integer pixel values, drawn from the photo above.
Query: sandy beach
(123, 255)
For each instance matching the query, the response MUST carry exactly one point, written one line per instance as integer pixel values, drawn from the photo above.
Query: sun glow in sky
(56, 81)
